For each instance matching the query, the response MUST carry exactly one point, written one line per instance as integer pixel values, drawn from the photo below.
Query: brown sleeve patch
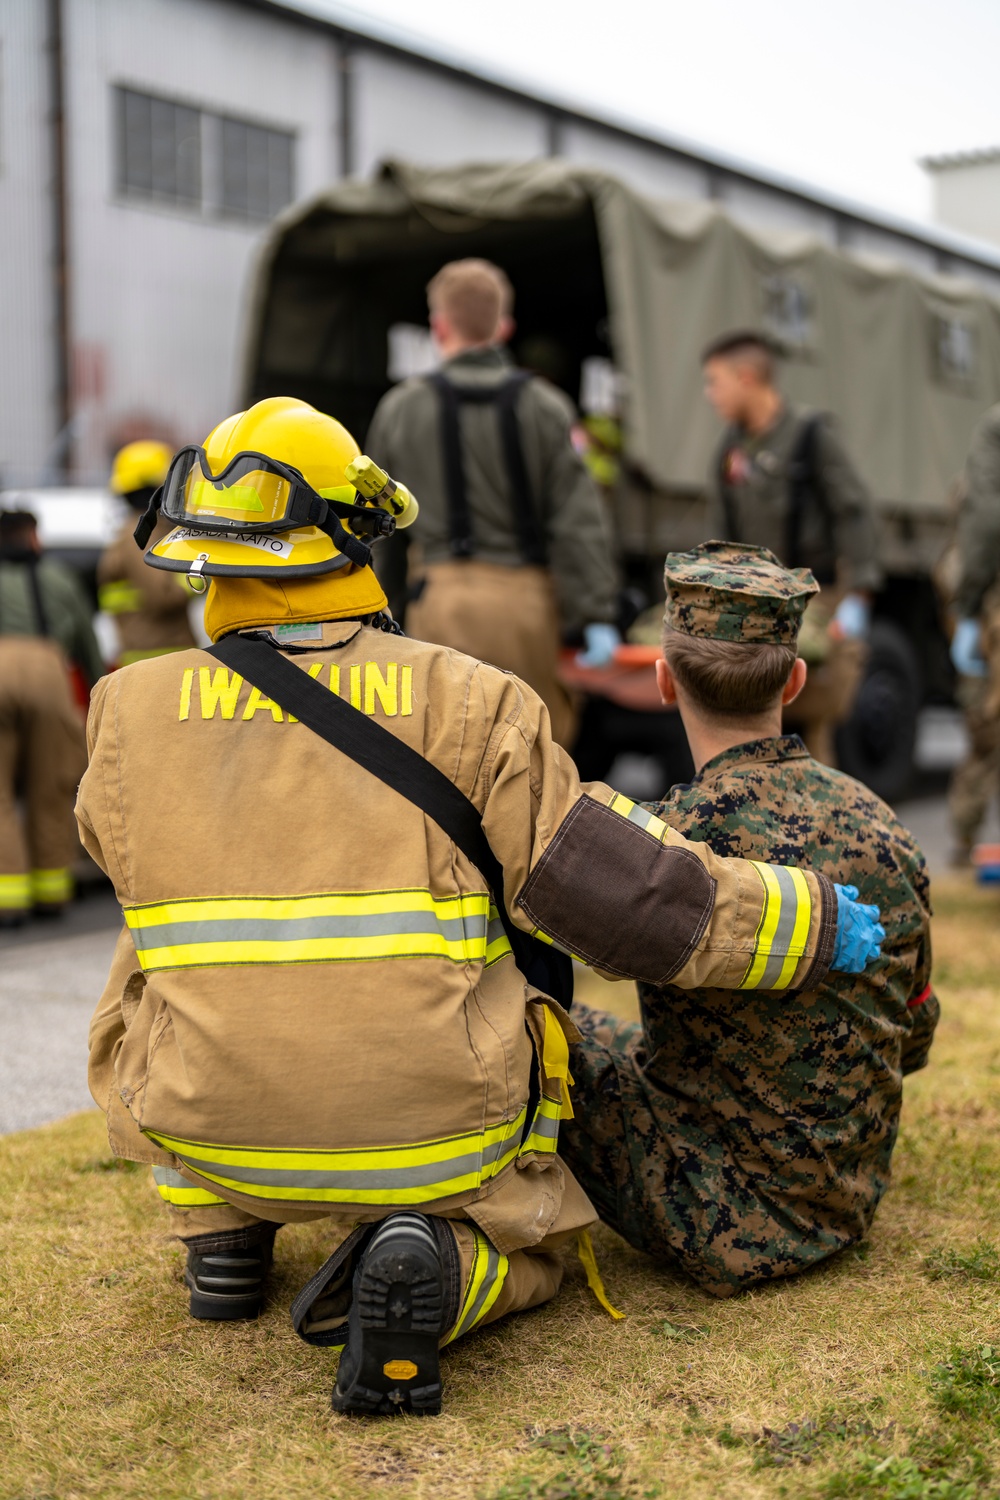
(826, 938)
(617, 897)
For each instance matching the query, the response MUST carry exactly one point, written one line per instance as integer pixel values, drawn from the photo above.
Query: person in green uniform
(747, 1135)
(782, 479)
(975, 645)
(512, 550)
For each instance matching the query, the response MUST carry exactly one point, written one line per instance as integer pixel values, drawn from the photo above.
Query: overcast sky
(843, 94)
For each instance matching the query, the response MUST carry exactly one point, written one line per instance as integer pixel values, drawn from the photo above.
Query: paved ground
(52, 974)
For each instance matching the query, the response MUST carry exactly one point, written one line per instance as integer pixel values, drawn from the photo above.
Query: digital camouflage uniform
(748, 1135)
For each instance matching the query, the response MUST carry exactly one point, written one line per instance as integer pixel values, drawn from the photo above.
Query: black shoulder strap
(456, 489)
(726, 489)
(532, 538)
(35, 588)
(805, 488)
(526, 519)
(407, 772)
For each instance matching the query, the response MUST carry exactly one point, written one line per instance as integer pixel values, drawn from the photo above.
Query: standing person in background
(45, 631)
(515, 550)
(149, 609)
(975, 645)
(782, 479)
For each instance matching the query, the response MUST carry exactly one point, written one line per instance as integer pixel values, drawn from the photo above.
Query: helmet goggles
(252, 493)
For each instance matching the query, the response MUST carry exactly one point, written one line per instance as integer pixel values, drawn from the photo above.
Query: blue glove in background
(859, 933)
(600, 644)
(853, 615)
(965, 649)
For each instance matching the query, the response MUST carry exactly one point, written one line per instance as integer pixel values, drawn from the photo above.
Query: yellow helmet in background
(278, 491)
(141, 465)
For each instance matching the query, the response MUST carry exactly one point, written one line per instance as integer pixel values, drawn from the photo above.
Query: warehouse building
(146, 144)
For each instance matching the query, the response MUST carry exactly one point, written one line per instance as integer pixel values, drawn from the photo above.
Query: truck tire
(876, 744)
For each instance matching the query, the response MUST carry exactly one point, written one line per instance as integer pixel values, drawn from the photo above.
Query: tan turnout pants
(492, 1284)
(505, 616)
(43, 754)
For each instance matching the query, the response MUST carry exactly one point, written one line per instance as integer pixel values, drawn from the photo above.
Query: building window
(192, 158)
(160, 149)
(256, 170)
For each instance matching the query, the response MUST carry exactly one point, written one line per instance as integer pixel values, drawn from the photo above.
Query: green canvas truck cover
(906, 362)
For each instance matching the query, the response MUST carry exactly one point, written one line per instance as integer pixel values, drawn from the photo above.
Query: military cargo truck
(906, 362)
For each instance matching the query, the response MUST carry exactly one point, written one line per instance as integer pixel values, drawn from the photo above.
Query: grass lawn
(876, 1376)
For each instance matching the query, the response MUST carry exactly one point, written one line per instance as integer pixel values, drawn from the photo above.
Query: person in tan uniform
(782, 479)
(46, 646)
(149, 609)
(513, 549)
(320, 1005)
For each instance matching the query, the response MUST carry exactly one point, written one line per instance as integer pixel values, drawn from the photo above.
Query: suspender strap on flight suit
(805, 490)
(504, 397)
(379, 752)
(30, 563)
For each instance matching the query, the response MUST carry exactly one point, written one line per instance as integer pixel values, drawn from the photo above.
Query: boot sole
(400, 1305)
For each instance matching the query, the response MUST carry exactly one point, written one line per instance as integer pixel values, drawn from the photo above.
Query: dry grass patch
(876, 1377)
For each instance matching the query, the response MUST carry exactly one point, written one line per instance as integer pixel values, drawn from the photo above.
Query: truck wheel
(876, 743)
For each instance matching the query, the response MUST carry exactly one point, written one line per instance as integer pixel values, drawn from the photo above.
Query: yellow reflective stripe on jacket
(15, 892)
(119, 597)
(544, 1133)
(489, 1272)
(51, 885)
(335, 927)
(648, 821)
(175, 1189)
(783, 930)
(415, 1174)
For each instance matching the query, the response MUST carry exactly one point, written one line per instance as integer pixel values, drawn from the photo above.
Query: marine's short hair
(474, 295)
(728, 679)
(746, 346)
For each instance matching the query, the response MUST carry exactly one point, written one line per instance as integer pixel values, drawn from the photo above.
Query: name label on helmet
(262, 541)
(386, 691)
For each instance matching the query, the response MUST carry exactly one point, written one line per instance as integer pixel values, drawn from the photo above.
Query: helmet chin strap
(146, 524)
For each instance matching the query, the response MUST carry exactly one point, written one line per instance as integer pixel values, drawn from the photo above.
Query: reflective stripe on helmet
(420, 1173)
(489, 1272)
(336, 927)
(783, 930)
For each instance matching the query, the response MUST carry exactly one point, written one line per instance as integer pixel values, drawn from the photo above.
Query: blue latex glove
(853, 615)
(859, 933)
(966, 650)
(600, 644)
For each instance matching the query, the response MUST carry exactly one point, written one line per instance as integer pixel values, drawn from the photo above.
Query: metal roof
(354, 25)
(978, 158)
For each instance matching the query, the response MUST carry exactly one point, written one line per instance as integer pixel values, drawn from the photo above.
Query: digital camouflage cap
(730, 591)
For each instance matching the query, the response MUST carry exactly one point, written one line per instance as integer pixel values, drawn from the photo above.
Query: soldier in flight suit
(748, 1135)
(314, 1010)
(514, 545)
(782, 479)
(975, 646)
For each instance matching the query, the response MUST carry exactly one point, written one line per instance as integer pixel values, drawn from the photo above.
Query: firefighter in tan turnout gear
(149, 608)
(318, 1004)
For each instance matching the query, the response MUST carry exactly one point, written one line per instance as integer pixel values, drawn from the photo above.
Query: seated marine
(746, 1133)
(334, 848)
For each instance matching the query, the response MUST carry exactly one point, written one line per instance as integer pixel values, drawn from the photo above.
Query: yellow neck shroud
(255, 603)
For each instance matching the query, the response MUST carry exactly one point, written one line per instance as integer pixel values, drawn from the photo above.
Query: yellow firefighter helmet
(140, 466)
(278, 491)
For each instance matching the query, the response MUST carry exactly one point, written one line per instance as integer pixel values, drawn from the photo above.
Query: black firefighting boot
(390, 1361)
(226, 1272)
